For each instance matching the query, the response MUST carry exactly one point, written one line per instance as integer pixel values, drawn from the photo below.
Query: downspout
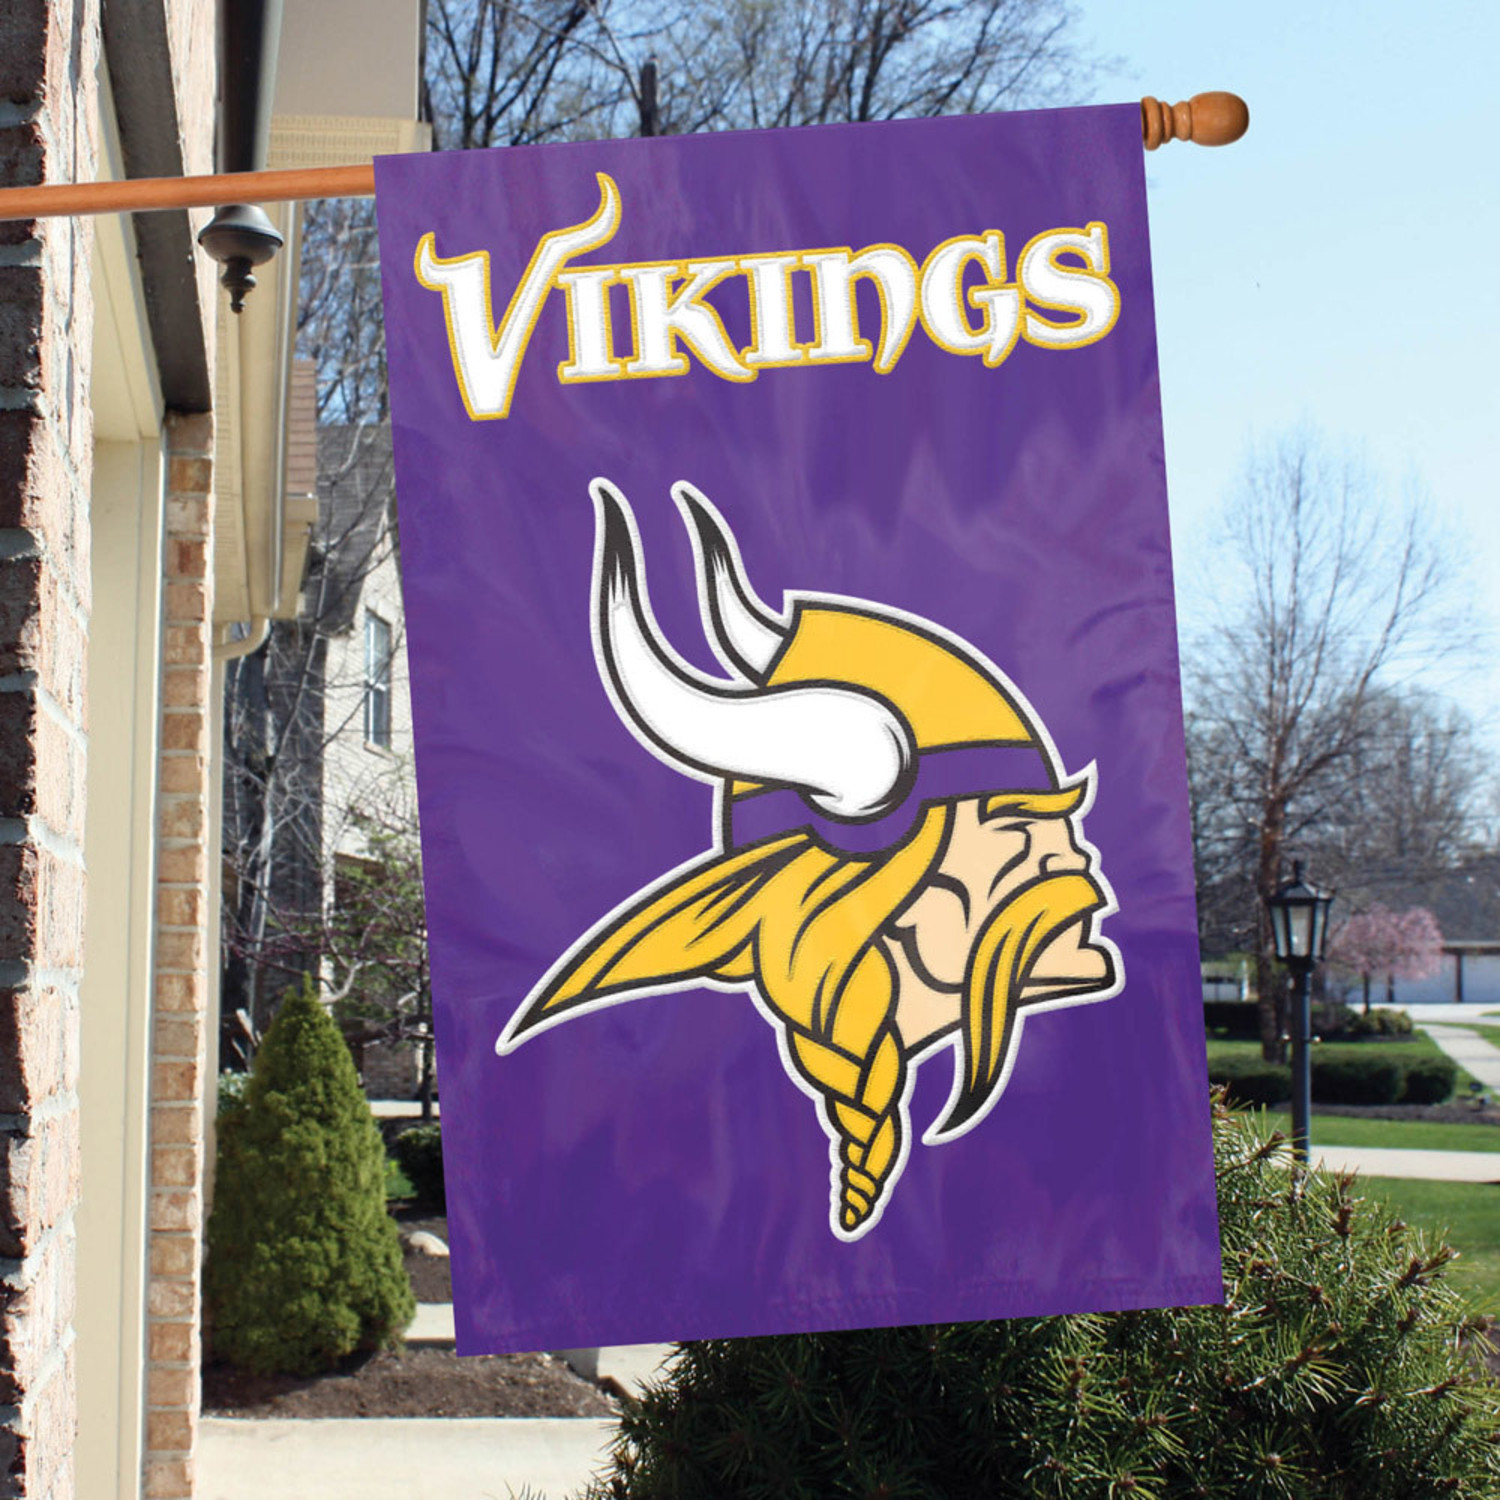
(257, 633)
(250, 39)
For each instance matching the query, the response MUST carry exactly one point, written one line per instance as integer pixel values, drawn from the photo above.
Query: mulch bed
(419, 1381)
(430, 1278)
(1452, 1113)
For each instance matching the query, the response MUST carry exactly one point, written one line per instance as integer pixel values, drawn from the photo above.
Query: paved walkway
(1457, 1015)
(1468, 1049)
(435, 1458)
(1390, 1161)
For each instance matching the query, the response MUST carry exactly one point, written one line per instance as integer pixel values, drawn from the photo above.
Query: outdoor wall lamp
(1299, 929)
(240, 237)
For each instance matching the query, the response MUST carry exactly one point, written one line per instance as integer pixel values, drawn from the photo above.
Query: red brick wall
(48, 53)
(179, 1037)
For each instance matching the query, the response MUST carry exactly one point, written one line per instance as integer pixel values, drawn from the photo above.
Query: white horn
(849, 753)
(744, 632)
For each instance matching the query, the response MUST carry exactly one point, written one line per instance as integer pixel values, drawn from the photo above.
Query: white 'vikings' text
(1060, 298)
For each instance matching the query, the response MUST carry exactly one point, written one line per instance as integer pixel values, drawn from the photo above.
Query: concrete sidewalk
(1468, 1049)
(1390, 1161)
(399, 1458)
(402, 1109)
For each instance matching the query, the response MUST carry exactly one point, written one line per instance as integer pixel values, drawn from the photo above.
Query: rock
(426, 1244)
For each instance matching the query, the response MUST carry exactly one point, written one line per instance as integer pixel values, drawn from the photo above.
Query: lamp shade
(1299, 919)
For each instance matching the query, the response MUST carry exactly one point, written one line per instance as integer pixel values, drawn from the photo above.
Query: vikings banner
(798, 732)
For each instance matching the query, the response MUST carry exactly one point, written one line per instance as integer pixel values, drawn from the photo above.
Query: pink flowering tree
(1397, 944)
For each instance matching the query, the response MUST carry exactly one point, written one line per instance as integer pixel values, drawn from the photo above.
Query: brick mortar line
(21, 973)
(24, 544)
(52, 1364)
(25, 253)
(48, 703)
(14, 1271)
(78, 483)
(13, 113)
(33, 830)
(55, 1106)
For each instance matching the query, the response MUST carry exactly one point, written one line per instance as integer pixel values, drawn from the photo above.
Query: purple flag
(799, 742)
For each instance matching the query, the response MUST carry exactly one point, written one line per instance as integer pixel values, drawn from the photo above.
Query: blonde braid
(822, 969)
(802, 923)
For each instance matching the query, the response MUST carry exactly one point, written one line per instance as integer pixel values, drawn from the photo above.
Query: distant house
(318, 736)
(1466, 902)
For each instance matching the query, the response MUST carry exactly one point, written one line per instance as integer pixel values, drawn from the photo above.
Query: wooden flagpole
(1212, 119)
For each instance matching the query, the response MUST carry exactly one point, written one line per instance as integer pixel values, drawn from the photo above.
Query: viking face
(898, 863)
(988, 862)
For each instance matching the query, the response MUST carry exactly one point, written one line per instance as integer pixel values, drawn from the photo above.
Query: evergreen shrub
(232, 1088)
(304, 1265)
(1332, 1018)
(419, 1153)
(1251, 1080)
(1429, 1080)
(1342, 1367)
(1382, 1021)
(1358, 1078)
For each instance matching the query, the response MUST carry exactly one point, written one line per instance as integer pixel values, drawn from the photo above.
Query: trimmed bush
(304, 1265)
(1429, 1080)
(1380, 1022)
(1332, 1018)
(1357, 1079)
(419, 1153)
(1250, 1080)
(1336, 1368)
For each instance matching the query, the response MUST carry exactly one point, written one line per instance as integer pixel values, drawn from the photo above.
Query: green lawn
(1491, 1034)
(1467, 1213)
(1470, 1214)
(1408, 1135)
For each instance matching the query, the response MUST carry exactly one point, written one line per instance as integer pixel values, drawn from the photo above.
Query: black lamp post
(1299, 927)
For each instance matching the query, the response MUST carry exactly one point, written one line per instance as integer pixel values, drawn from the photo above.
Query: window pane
(377, 681)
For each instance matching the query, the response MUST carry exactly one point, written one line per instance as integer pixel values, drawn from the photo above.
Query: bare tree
(812, 62)
(524, 72)
(284, 709)
(1332, 593)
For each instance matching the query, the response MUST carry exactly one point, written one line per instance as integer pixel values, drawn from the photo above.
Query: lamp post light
(1299, 928)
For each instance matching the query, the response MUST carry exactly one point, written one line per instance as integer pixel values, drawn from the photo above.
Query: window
(377, 681)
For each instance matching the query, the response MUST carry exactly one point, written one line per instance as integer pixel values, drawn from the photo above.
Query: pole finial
(1212, 119)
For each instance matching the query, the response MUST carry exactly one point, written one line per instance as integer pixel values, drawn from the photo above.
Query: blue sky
(1339, 267)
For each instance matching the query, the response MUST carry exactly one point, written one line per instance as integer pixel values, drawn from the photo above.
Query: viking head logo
(898, 864)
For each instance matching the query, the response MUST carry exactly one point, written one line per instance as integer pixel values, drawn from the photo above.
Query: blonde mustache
(999, 963)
